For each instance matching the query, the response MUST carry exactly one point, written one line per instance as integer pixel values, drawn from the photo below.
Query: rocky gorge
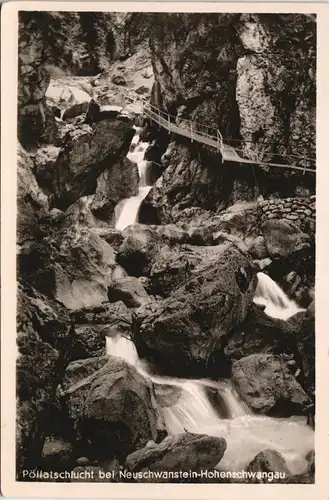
(166, 299)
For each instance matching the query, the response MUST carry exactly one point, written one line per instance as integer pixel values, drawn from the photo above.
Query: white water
(186, 406)
(130, 206)
(276, 302)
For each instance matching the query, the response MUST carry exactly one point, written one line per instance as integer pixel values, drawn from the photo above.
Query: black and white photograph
(166, 244)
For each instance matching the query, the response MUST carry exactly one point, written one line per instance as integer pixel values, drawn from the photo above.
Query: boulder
(114, 184)
(85, 155)
(72, 265)
(129, 290)
(269, 461)
(115, 316)
(181, 453)
(138, 250)
(80, 214)
(191, 324)
(32, 203)
(44, 164)
(267, 386)
(296, 273)
(57, 455)
(282, 237)
(257, 248)
(111, 405)
(174, 266)
(44, 339)
(171, 270)
(191, 180)
(112, 236)
(89, 342)
(260, 333)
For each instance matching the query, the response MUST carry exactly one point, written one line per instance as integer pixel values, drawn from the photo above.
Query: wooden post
(159, 115)
(191, 131)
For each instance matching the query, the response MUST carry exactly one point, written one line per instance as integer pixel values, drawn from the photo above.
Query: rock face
(87, 153)
(129, 290)
(184, 452)
(260, 333)
(190, 325)
(196, 179)
(267, 386)
(110, 404)
(32, 203)
(74, 266)
(216, 70)
(114, 184)
(282, 238)
(138, 250)
(36, 123)
(44, 340)
(270, 461)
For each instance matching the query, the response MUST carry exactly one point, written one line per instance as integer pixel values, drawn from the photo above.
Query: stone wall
(300, 211)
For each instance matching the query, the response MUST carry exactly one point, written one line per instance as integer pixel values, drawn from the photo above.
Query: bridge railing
(193, 129)
(212, 136)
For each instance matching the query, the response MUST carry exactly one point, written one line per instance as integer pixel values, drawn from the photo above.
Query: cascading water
(184, 406)
(209, 407)
(276, 302)
(130, 206)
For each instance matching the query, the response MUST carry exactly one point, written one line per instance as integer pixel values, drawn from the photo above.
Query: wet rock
(73, 265)
(171, 270)
(191, 324)
(111, 405)
(57, 455)
(88, 342)
(138, 250)
(80, 214)
(113, 237)
(190, 182)
(32, 203)
(44, 340)
(129, 290)
(87, 153)
(296, 274)
(116, 315)
(270, 461)
(114, 184)
(267, 386)
(183, 452)
(282, 238)
(260, 333)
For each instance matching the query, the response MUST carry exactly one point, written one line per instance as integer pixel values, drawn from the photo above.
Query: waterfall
(276, 302)
(130, 206)
(184, 406)
(214, 407)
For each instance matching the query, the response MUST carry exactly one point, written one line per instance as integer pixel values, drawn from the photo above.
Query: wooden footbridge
(212, 137)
